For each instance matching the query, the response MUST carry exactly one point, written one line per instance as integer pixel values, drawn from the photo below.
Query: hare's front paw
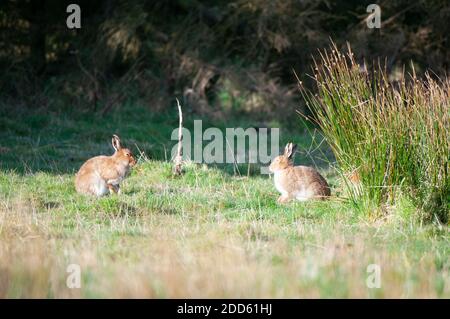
(114, 189)
(283, 199)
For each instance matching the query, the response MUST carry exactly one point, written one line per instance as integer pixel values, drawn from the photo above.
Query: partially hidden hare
(297, 182)
(101, 175)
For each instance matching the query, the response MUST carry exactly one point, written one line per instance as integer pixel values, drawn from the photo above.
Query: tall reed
(394, 137)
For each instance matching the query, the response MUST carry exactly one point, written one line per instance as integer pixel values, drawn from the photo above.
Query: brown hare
(101, 175)
(297, 182)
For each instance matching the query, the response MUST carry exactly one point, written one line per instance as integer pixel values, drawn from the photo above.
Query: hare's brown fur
(297, 182)
(102, 175)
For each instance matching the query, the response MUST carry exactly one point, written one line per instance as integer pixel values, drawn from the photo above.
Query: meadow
(377, 131)
(208, 233)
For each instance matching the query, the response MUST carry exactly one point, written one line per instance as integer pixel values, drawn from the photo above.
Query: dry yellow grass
(172, 251)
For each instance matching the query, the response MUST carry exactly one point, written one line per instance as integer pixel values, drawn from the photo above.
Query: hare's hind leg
(99, 187)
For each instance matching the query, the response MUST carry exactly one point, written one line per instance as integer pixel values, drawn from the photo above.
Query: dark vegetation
(222, 57)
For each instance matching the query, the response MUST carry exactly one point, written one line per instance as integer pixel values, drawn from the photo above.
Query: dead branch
(178, 160)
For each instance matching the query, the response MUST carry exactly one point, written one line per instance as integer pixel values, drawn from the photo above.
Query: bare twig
(178, 160)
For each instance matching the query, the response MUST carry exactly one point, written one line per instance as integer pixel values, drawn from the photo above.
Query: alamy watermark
(73, 280)
(73, 21)
(374, 18)
(373, 280)
(236, 146)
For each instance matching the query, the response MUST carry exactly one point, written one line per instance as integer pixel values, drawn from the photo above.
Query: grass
(208, 233)
(393, 135)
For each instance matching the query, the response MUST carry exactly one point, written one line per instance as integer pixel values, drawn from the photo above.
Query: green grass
(208, 233)
(394, 136)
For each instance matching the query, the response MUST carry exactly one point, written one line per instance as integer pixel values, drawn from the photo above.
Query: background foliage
(222, 56)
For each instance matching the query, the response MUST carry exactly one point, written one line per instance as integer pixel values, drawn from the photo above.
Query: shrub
(394, 135)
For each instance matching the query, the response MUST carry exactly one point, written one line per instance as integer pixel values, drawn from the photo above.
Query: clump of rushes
(393, 139)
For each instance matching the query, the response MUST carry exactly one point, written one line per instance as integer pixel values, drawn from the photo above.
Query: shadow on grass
(58, 143)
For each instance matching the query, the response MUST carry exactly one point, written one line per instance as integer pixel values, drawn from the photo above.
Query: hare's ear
(116, 143)
(289, 150)
(293, 150)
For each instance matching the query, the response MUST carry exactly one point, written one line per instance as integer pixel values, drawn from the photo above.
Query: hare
(101, 175)
(299, 182)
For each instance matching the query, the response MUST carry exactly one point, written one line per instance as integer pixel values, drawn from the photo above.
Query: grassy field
(208, 233)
